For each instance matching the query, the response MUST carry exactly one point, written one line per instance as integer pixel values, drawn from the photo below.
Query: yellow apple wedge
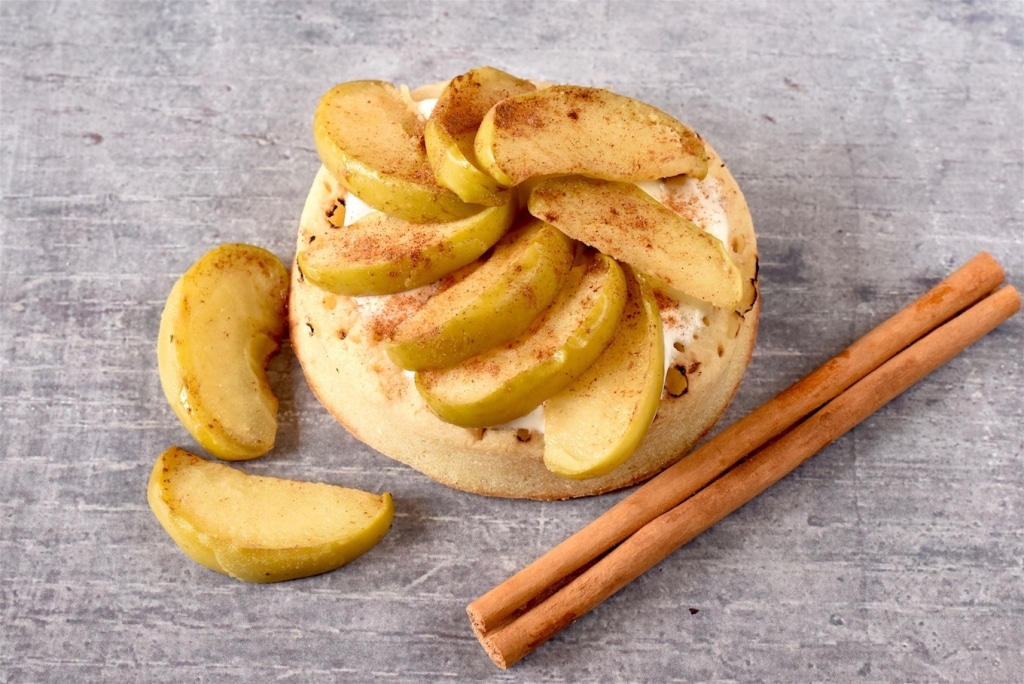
(451, 130)
(625, 222)
(370, 137)
(512, 379)
(384, 254)
(494, 304)
(262, 529)
(578, 130)
(595, 423)
(223, 320)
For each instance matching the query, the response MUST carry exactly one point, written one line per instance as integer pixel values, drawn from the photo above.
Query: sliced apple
(451, 130)
(590, 131)
(511, 380)
(625, 222)
(223, 320)
(595, 423)
(513, 286)
(370, 137)
(384, 254)
(262, 529)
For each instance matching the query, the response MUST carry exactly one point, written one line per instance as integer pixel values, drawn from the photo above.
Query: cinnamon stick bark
(657, 539)
(975, 279)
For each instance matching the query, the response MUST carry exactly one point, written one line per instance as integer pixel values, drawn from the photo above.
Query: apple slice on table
(451, 130)
(492, 305)
(384, 254)
(370, 137)
(511, 380)
(625, 222)
(594, 424)
(590, 131)
(262, 529)
(223, 320)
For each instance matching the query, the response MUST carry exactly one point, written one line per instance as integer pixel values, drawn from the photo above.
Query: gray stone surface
(879, 144)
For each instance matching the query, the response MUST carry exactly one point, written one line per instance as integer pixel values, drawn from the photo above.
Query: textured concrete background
(880, 145)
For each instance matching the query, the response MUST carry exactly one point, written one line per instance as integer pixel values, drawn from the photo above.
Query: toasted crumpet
(338, 341)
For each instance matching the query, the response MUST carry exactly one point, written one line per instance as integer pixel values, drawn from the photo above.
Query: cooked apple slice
(451, 130)
(383, 254)
(625, 222)
(588, 131)
(494, 304)
(370, 137)
(262, 529)
(223, 320)
(511, 380)
(594, 424)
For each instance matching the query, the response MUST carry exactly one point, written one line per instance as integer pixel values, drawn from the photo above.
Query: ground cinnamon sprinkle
(395, 310)
(688, 207)
(667, 307)
(366, 246)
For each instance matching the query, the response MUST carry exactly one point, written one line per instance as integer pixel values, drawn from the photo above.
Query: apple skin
(262, 529)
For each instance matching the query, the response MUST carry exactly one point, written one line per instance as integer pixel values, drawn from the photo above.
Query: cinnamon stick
(656, 540)
(975, 279)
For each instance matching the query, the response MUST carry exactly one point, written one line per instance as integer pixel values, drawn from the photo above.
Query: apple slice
(383, 254)
(370, 137)
(451, 130)
(590, 131)
(223, 320)
(262, 529)
(625, 222)
(511, 380)
(513, 286)
(594, 424)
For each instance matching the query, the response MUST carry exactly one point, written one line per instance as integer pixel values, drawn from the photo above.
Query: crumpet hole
(676, 383)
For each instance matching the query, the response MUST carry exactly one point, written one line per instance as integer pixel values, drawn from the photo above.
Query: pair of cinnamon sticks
(742, 461)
